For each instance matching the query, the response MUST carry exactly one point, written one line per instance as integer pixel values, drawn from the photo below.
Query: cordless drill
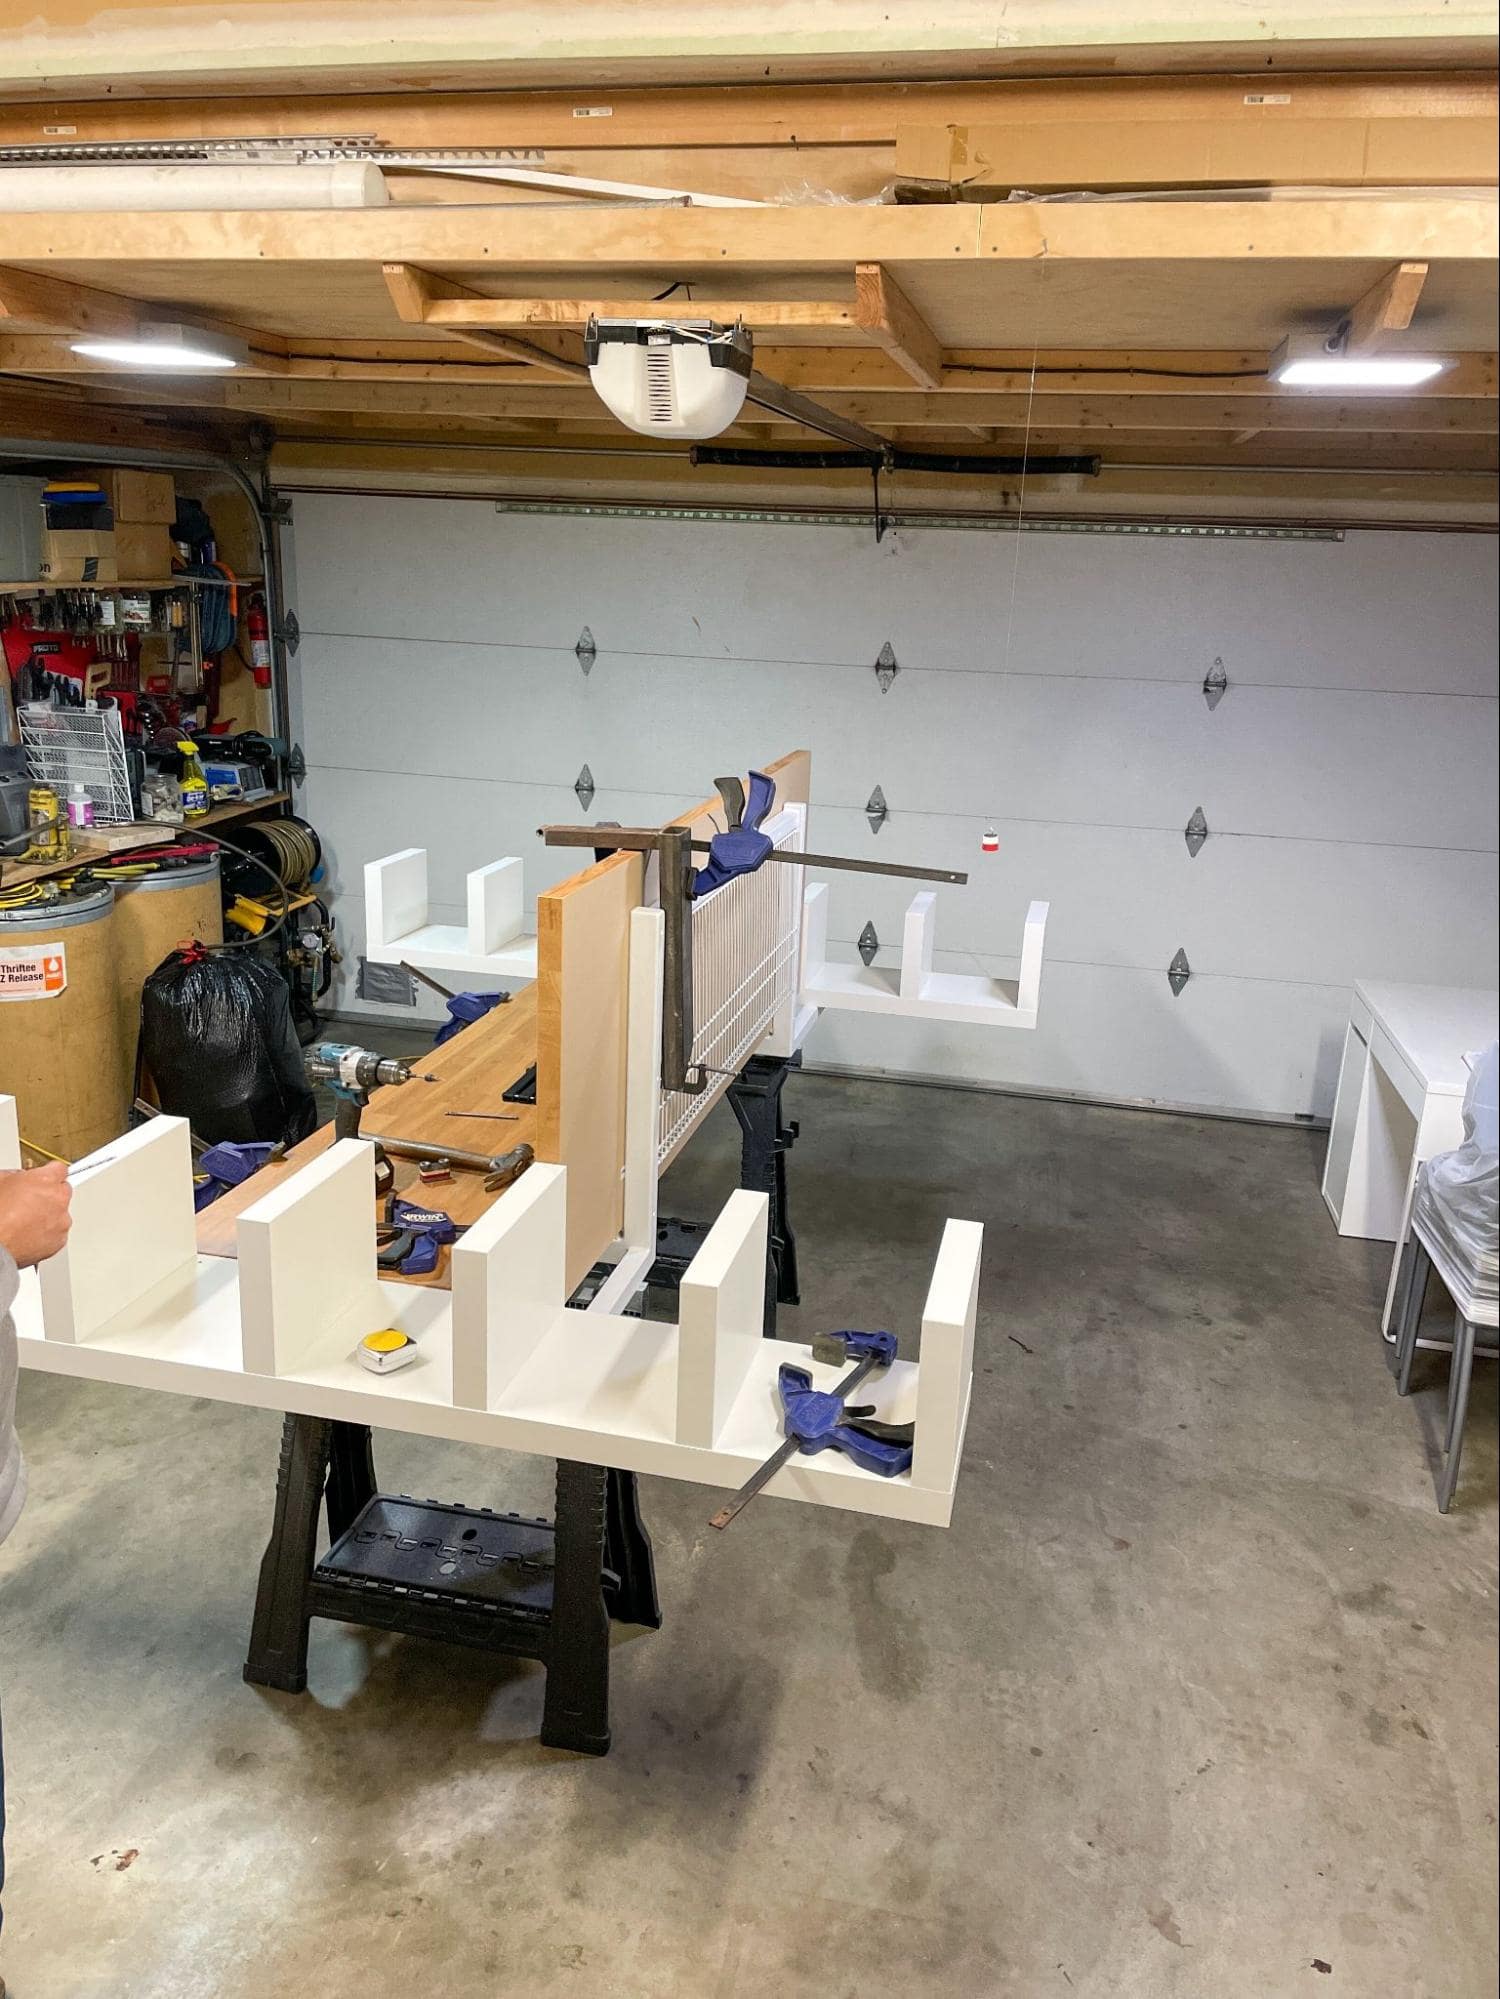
(351, 1073)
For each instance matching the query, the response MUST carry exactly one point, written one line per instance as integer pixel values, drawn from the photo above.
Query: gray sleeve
(10, 1280)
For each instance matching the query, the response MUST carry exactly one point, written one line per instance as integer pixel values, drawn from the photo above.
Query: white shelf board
(944, 995)
(153, 1345)
(444, 947)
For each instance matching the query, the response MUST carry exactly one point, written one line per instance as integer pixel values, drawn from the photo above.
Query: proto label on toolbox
(33, 971)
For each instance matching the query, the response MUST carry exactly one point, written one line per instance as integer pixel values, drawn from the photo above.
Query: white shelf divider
(493, 941)
(132, 1231)
(914, 989)
(309, 1289)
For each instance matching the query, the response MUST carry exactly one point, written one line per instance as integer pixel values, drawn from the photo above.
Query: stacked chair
(1454, 1232)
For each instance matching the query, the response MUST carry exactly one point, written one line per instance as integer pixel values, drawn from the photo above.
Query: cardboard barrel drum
(154, 913)
(60, 1021)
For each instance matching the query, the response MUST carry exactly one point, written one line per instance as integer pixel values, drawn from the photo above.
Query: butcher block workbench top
(473, 1069)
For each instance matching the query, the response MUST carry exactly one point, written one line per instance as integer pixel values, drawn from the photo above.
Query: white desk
(1400, 1101)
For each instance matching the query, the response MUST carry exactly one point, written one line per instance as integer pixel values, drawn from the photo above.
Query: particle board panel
(583, 942)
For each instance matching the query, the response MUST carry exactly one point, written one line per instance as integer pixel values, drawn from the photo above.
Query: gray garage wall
(1055, 690)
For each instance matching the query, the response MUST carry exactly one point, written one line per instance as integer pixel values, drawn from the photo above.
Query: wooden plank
(779, 239)
(884, 311)
(848, 115)
(417, 294)
(519, 314)
(583, 954)
(1387, 307)
(31, 299)
(341, 367)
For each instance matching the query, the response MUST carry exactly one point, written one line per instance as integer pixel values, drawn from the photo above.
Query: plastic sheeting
(1457, 1203)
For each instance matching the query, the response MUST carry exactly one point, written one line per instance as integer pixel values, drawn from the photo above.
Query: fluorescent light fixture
(167, 345)
(1320, 364)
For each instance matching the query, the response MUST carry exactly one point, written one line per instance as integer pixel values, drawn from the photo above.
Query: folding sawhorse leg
(467, 1576)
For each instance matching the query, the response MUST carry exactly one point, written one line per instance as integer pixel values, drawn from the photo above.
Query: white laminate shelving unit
(492, 943)
(914, 989)
(502, 1359)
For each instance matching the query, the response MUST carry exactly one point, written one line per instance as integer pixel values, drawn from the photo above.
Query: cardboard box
(1260, 150)
(78, 555)
(129, 552)
(139, 496)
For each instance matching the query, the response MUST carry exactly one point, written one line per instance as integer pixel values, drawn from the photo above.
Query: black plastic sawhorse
(766, 1137)
(499, 1582)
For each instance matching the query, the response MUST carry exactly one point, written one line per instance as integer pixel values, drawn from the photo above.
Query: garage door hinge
(583, 784)
(876, 809)
(296, 764)
(586, 650)
(869, 943)
(1178, 973)
(1215, 681)
(278, 508)
(289, 631)
(887, 666)
(1196, 831)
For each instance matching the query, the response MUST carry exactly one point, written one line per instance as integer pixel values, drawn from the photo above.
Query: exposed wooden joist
(35, 301)
(520, 314)
(1215, 374)
(1387, 307)
(1284, 412)
(884, 311)
(417, 293)
(778, 240)
(32, 300)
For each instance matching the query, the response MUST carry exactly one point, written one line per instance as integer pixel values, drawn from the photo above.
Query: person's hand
(34, 1218)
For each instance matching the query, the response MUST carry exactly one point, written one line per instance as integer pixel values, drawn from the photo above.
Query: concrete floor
(1196, 1698)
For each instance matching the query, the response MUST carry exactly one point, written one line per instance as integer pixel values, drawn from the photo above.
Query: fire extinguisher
(258, 631)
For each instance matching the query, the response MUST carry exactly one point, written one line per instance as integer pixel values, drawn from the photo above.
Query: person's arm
(34, 1221)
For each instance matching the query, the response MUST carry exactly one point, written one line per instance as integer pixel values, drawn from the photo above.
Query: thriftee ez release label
(33, 971)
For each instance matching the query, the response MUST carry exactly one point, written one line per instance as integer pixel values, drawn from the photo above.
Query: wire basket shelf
(72, 746)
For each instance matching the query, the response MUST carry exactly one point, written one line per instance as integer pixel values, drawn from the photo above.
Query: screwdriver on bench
(817, 1420)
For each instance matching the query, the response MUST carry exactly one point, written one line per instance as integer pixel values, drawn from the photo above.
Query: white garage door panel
(1275, 761)
(1271, 1049)
(1350, 795)
(1245, 906)
(1154, 608)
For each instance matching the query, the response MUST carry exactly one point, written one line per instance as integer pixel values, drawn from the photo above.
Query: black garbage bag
(217, 1041)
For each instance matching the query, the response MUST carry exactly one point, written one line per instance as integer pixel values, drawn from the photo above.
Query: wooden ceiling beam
(887, 315)
(57, 310)
(775, 242)
(416, 293)
(1386, 308)
(1225, 375)
(473, 310)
